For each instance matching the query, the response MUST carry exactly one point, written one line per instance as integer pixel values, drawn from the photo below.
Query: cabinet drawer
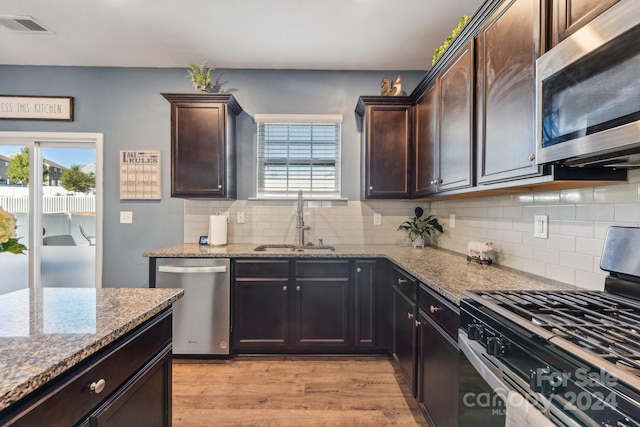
(406, 283)
(443, 312)
(262, 268)
(68, 398)
(319, 269)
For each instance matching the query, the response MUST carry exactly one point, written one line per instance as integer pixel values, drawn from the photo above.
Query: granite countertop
(44, 332)
(448, 273)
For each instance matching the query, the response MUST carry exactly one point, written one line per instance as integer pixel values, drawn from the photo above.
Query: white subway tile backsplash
(578, 221)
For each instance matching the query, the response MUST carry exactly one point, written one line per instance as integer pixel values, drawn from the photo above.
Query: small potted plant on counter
(419, 227)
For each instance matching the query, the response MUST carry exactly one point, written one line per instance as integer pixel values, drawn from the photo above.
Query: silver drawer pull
(298, 288)
(434, 309)
(401, 281)
(409, 315)
(284, 288)
(417, 323)
(98, 386)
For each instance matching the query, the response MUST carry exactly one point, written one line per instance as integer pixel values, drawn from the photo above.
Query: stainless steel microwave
(588, 93)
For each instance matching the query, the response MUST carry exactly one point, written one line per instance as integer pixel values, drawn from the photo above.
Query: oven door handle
(472, 351)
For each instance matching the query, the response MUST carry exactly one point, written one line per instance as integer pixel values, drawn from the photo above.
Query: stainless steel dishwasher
(201, 318)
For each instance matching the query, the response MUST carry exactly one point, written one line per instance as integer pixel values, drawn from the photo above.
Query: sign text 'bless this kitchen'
(36, 107)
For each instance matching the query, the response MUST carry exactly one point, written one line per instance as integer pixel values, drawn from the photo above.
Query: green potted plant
(419, 227)
(200, 77)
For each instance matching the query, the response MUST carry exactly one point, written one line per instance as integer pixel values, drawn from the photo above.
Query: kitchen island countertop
(45, 332)
(448, 273)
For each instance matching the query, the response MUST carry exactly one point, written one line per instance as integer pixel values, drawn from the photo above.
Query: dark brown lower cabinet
(437, 358)
(303, 305)
(404, 336)
(438, 373)
(133, 375)
(143, 401)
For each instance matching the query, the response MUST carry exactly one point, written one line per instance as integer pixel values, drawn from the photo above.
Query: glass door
(51, 184)
(14, 199)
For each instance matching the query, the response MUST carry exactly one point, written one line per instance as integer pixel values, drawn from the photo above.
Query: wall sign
(36, 107)
(140, 175)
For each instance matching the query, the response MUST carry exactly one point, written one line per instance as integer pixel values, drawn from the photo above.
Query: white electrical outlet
(377, 218)
(240, 218)
(126, 217)
(452, 220)
(541, 226)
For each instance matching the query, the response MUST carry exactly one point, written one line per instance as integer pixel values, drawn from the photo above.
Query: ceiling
(254, 34)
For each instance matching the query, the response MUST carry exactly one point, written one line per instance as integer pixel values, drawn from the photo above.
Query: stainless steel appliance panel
(201, 318)
(588, 96)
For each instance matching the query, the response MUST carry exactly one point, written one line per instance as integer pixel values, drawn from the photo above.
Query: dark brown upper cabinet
(443, 121)
(568, 16)
(203, 149)
(508, 44)
(386, 146)
(426, 142)
(455, 122)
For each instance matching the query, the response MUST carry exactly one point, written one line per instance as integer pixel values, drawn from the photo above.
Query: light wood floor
(292, 391)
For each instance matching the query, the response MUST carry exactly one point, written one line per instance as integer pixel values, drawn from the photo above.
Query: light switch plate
(126, 217)
(240, 218)
(452, 220)
(541, 226)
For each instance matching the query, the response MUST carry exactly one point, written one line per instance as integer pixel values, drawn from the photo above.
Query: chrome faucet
(300, 225)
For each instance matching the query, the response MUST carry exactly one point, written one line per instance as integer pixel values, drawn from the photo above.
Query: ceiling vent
(25, 24)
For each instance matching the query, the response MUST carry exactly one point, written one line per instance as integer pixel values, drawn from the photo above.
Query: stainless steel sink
(293, 248)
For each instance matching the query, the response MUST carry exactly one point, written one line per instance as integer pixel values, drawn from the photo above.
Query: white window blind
(298, 152)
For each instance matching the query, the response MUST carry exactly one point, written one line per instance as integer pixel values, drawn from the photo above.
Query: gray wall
(126, 106)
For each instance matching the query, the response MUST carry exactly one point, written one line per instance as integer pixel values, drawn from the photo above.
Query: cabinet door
(261, 313)
(365, 281)
(456, 122)
(426, 142)
(507, 47)
(198, 152)
(438, 374)
(145, 400)
(404, 336)
(320, 317)
(568, 16)
(387, 151)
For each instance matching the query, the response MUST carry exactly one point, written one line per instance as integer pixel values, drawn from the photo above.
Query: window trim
(336, 119)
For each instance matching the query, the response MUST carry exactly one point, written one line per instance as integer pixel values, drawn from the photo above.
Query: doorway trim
(35, 194)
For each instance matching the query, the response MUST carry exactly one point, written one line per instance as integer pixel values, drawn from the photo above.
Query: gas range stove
(574, 355)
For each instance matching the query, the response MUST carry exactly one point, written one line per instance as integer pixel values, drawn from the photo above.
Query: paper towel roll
(217, 230)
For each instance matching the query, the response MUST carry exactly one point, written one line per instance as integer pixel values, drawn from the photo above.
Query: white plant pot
(418, 242)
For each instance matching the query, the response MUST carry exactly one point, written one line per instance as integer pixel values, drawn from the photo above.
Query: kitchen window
(298, 152)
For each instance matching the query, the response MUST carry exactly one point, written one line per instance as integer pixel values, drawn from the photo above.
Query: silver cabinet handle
(98, 386)
(371, 188)
(434, 309)
(219, 186)
(284, 288)
(401, 281)
(298, 288)
(409, 315)
(358, 270)
(417, 323)
(191, 269)
(532, 157)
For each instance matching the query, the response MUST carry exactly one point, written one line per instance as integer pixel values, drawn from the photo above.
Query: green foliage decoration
(437, 53)
(200, 77)
(421, 227)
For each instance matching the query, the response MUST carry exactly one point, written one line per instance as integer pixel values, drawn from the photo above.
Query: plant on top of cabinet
(437, 53)
(200, 77)
(419, 227)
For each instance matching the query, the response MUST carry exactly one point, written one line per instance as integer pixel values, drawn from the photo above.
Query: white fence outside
(50, 204)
